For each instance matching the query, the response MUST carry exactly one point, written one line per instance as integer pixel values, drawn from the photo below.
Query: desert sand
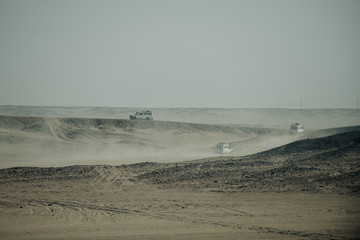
(50, 142)
(253, 117)
(75, 177)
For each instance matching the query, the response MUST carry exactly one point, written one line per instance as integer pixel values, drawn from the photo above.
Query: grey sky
(180, 53)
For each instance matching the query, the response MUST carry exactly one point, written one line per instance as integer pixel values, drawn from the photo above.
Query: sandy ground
(266, 117)
(55, 182)
(44, 141)
(75, 211)
(51, 142)
(304, 190)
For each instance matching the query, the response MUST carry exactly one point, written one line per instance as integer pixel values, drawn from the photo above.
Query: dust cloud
(60, 141)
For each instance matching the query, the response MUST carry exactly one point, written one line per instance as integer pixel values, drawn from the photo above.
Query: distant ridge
(268, 117)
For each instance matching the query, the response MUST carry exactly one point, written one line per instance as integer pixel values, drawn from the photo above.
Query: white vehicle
(296, 128)
(145, 115)
(223, 148)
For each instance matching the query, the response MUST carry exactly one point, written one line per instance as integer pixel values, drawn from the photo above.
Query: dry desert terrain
(75, 177)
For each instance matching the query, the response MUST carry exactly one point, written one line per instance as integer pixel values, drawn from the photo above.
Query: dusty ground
(256, 117)
(304, 190)
(108, 212)
(81, 178)
(44, 141)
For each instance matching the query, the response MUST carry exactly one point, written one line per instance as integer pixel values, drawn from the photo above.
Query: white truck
(144, 115)
(296, 128)
(223, 148)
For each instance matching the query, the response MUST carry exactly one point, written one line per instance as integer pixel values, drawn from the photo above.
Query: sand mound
(316, 165)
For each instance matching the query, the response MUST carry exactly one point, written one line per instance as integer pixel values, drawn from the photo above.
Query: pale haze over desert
(179, 119)
(237, 54)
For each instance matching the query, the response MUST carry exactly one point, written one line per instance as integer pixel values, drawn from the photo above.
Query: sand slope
(44, 141)
(275, 185)
(304, 190)
(266, 117)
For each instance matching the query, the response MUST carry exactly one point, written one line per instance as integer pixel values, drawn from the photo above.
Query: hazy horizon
(149, 108)
(180, 54)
